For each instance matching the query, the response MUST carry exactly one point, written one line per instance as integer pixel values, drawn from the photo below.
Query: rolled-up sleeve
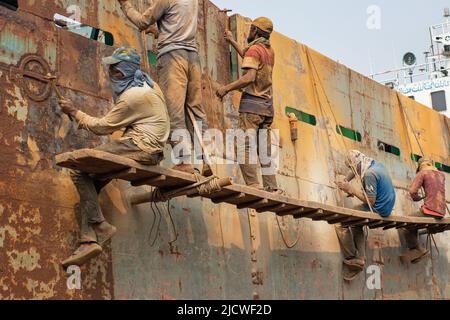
(149, 17)
(252, 59)
(118, 118)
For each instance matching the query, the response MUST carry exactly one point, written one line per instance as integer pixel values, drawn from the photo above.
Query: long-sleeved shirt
(433, 183)
(141, 111)
(177, 23)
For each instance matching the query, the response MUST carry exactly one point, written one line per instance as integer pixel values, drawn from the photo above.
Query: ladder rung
(311, 214)
(228, 198)
(254, 204)
(327, 218)
(281, 207)
(298, 212)
(401, 225)
(390, 226)
(412, 226)
(343, 219)
(357, 223)
(381, 225)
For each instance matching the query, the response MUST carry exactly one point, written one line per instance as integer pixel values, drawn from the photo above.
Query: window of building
(302, 116)
(10, 4)
(84, 30)
(412, 97)
(439, 101)
(388, 148)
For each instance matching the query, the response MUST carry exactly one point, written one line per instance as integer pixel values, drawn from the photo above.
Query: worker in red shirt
(433, 182)
(256, 109)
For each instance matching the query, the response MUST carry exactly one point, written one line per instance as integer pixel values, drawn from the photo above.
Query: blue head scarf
(134, 77)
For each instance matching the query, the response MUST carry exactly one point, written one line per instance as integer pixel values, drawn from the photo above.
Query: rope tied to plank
(204, 186)
(430, 242)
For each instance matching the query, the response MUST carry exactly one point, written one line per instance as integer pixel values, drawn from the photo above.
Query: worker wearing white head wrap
(359, 161)
(378, 192)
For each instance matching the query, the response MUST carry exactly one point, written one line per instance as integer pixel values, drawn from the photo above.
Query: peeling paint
(213, 257)
(19, 107)
(27, 260)
(3, 232)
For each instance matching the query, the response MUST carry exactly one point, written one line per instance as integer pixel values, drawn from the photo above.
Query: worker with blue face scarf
(140, 110)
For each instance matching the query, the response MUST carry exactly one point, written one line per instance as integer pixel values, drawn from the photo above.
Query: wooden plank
(343, 219)
(356, 223)
(260, 203)
(327, 218)
(412, 226)
(381, 225)
(390, 226)
(283, 209)
(121, 174)
(275, 208)
(155, 181)
(310, 214)
(401, 225)
(227, 199)
(295, 212)
(108, 165)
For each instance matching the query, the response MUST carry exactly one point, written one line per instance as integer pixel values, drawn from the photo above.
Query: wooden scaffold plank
(106, 166)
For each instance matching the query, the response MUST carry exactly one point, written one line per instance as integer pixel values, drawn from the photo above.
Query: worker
(256, 110)
(433, 182)
(140, 109)
(179, 70)
(378, 194)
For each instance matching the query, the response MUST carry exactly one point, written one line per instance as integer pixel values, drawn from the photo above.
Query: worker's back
(378, 183)
(178, 26)
(434, 185)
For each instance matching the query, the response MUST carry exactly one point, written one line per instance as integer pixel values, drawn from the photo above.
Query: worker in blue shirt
(379, 194)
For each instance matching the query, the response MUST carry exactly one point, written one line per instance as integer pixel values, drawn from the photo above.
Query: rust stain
(38, 224)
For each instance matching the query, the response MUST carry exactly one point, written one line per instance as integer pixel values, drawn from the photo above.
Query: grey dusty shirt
(141, 112)
(176, 19)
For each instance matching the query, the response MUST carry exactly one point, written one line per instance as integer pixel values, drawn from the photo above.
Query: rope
(430, 241)
(409, 122)
(156, 212)
(205, 186)
(208, 185)
(353, 167)
(173, 227)
(283, 237)
(342, 201)
(417, 139)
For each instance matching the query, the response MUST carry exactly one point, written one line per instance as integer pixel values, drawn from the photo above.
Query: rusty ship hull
(221, 252)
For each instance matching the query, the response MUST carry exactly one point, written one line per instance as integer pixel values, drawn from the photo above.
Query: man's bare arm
(236, 46)
(346, 187)
(142, 21)
(242, 83)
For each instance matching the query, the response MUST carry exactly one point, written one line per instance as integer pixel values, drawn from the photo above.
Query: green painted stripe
(349, 133)
(302, 116)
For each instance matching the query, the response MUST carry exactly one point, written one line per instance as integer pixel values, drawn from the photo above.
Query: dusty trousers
(352, 240)
(248, 121)
(89, 188)
(412, 236)
(180, 79)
